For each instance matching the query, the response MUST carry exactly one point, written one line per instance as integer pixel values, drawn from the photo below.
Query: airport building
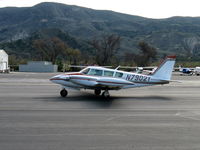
(38, 66)
(3, 61)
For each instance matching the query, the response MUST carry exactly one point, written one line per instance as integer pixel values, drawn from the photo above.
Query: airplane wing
(112, 83)
(84, 80)
(100, 82)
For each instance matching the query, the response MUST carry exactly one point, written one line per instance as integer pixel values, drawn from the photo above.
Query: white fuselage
(103, 78)
(99, 78)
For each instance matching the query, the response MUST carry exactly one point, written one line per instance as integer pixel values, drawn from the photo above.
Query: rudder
(164, 71)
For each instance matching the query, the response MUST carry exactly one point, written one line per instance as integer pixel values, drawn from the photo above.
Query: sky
(145, 8)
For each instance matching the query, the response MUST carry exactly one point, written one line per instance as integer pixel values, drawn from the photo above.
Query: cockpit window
(118, 74)
(108, 73)
(85, 71)
(95, 72)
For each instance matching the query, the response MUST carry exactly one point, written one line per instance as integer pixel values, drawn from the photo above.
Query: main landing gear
(97, 91)
(63, 92)
(104, 94)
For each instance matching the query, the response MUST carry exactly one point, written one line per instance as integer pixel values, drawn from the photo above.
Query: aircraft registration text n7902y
(103, 79)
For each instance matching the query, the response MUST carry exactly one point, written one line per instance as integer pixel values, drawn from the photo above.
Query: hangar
(3, 61)
(38, 66)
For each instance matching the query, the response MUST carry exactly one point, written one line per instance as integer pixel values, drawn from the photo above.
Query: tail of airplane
(180, 68)
(164, 71)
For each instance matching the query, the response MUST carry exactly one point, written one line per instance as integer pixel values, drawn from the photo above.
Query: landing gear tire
(63, 93)
(97, 92)
(106, 94)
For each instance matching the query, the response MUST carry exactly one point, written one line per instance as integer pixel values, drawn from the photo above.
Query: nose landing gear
(63, 92)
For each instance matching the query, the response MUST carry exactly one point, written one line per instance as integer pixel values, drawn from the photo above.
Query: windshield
(85, 71)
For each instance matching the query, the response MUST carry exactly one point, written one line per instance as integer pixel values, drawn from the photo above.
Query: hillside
(171, 35)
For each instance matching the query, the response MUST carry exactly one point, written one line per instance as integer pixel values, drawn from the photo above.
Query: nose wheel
(63, 92)
(106, 94)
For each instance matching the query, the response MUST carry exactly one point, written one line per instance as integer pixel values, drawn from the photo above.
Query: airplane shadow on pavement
(101, 102)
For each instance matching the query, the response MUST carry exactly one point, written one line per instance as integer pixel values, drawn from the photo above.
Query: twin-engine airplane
(103, 79)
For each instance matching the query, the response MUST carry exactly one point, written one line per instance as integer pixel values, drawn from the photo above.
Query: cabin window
(85, 71)
(95, 72)
(118, 74)
(108, 73)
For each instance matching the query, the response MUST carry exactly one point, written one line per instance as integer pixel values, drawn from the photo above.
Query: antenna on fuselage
(117, 68)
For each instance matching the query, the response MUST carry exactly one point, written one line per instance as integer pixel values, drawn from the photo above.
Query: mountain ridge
(171, 35)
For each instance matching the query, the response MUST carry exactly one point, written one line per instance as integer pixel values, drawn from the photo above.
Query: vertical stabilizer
(164, 71)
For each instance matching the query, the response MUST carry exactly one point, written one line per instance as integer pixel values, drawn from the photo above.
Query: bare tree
(50, 49)
(147, 54)
(106, 48)
(72, 55)
(129, 58)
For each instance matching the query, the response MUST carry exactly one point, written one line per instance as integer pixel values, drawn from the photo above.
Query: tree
(72, 55)
(129, 58)
(148, 53)
(106, 48)
(49, 49)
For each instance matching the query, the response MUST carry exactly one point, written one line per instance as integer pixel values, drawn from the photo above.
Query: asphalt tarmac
(33, 116)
